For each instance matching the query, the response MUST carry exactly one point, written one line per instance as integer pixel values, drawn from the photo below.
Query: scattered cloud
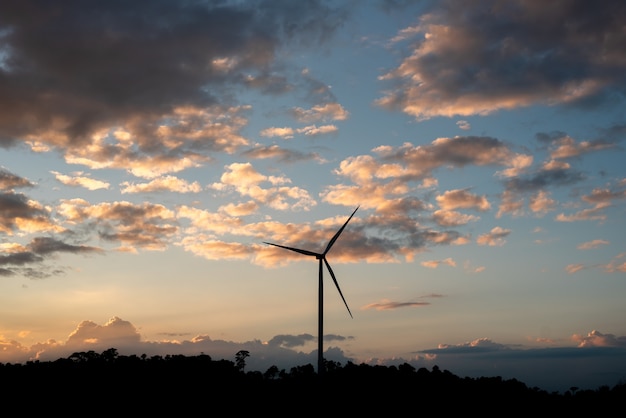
(573, 268)
(464, 125)
(79, 180)
(494, 238)
(162, 184)
(462, 199)
(328, 111)
(592, 244)
(433, 264)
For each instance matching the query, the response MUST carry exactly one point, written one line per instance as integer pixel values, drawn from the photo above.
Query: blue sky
(148, 149)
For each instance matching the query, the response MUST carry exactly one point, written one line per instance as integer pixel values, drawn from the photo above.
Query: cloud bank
(594, 360)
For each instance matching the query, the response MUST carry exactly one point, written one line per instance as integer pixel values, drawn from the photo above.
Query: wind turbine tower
(322, 260)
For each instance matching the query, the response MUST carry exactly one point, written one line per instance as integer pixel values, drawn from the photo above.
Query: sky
(149, 149)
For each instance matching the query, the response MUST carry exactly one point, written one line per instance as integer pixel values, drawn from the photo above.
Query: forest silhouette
(110, 383)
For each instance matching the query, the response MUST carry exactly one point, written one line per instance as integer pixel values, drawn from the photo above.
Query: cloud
(606, 196)
(169, 94)
(450, 218)
(597, 339)
(386, 304)
(30, 260)
(494, 238)
(147, 226)
(534, 186)
(237, 210)
(591, 214)
(328, 111)
(318, 130)
(280, 132)
(481, 344)
(162, 184)
(600, 199)
(468, 267)
(562, 146)
(463, 124)
(541, 203)
(592, 244)
(382, 181)
(616, 265)
(282, 155)
(433, 264)
(418, 162)
(291, 340)
(245, 180)
(19, 213)
(171, 143)
(544, 178)
(79, 180)
(116, 332)
(451, 69)
(573, 268)
(215, 249)
(10, 181)
(169, 109)
(455, 199)
(568, 148)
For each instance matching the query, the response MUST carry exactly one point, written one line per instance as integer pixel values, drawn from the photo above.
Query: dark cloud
(335, 337)
(70, 68)
(563, 146)
(476, 57)
(460, 151)
(16, 208)
(10, 181)
(19, 259)
(606, 137)
(616, 132)
(291, 340)
(280, 154)
(47, 245)
(29, 260)
(6, 272)
(550, 137)
(544, 179)
(389, 305)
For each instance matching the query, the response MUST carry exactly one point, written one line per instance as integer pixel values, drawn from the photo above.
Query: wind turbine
(322, 257)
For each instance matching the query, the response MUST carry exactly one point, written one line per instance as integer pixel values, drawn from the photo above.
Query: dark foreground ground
(107, 384)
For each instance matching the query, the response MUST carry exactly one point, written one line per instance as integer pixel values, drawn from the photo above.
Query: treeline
(108, 382)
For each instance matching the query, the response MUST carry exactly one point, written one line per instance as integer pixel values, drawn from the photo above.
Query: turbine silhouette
(322, 257)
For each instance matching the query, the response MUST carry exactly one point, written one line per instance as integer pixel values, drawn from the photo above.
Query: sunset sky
(149, 148)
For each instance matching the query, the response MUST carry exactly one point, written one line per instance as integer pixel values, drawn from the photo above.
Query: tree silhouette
(240, 359)
(178, 382)
(271, 373)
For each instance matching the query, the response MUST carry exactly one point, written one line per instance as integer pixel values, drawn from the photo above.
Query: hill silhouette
(90, 383)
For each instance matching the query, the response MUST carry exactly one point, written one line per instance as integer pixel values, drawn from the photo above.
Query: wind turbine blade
(332, 274)
(332, 241)
(298, 250)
